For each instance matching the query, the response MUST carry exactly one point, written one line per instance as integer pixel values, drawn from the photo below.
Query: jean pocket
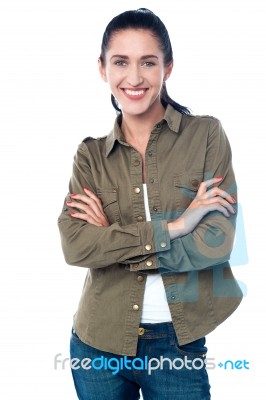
(74, 335)
(193, 349)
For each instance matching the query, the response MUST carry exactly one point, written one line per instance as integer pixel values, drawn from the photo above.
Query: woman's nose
(134, 77)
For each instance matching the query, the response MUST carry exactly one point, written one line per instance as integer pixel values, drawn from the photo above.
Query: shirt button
(150, 153)
(163, 244)
(152, 180)
(136, 163)
(155, 209)
(139, 218)
(148, 247)
(158, 125)
(135, 307)
(149, 263)
(195, 183)
(140, 278)
(141, 331)
(137, 190)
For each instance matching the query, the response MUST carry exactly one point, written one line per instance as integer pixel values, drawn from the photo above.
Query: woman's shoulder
(199, 118)
(89, 139)
(205, 122)
(92, 146)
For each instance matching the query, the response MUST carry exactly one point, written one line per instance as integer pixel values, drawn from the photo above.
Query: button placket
(136, 186)
(152, 172)
(136, 294)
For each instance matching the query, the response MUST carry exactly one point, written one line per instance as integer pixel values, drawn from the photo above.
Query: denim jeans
(162, 369)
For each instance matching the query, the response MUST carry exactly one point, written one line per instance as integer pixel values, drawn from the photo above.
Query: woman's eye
(120, 63)
(148, 64)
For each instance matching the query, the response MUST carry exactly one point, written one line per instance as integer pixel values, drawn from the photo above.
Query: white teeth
(134, 92)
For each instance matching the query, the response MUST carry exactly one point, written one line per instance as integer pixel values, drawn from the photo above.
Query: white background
(51, 97)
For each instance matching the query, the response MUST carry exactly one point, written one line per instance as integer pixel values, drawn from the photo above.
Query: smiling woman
(134, 67)
(151, 213)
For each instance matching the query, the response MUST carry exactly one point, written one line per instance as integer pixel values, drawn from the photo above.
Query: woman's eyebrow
(149, 56)
(142, 58)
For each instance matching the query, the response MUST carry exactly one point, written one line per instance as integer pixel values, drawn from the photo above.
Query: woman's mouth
(135, 94)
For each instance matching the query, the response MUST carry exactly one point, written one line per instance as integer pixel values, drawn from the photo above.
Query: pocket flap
(107, 196)
(189, 181)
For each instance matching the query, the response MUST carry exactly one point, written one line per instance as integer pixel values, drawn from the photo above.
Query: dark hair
(142, 19)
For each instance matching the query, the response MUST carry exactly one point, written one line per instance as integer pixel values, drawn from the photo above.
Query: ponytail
(166, 99)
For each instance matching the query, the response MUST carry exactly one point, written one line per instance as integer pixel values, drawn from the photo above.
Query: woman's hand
(91, 206)
(206, 200)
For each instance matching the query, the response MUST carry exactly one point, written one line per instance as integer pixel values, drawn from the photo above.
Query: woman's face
(134, 68)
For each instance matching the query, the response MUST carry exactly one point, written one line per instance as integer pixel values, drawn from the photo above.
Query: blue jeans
(162, 369)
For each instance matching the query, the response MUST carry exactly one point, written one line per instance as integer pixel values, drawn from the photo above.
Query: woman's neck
(137, 128)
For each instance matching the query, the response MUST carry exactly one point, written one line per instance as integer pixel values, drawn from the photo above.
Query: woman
(151, 213)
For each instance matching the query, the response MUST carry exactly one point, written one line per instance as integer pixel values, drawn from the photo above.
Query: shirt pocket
(186, 186)
(109, 199)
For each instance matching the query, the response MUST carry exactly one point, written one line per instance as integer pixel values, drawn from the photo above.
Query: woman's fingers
(206, 184)
(93, 202)
(90, 217)
(214, 199)
(225, 204)
(218, 192)
(86, 208)
(203, 192)
(205, 202)
(90, 199)
(87, 218)
(92, 207)
(209, 204)
(221, 208)
(92, 196)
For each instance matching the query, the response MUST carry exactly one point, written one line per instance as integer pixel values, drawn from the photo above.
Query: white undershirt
(155, 306)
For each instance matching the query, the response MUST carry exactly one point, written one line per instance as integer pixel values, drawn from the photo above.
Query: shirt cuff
(159, 241)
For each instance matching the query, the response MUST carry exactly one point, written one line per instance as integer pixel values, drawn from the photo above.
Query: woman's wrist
(176, 228)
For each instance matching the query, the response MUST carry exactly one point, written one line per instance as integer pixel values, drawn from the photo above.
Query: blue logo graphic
(238, 364)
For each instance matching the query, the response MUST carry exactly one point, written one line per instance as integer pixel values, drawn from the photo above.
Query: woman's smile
(135, 94)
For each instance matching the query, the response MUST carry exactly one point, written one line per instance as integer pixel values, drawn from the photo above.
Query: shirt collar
(171, 116)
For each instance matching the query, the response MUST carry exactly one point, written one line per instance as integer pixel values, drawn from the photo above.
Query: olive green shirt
(183, 151)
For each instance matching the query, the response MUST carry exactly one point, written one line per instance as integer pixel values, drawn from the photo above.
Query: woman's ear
(102, 70)
(168, 71)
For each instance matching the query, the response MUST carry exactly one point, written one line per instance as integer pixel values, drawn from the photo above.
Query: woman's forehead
(134, 40)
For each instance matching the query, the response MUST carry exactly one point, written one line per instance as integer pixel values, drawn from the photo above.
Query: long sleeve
(211, 242)
(87, 245)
